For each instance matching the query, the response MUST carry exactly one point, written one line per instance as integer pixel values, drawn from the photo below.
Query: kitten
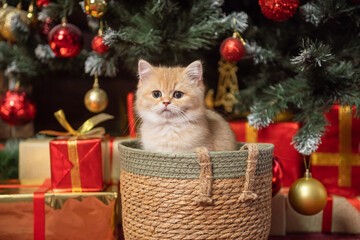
(170, 103)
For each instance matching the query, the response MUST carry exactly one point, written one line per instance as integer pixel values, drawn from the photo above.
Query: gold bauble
(96, 100)
(6, 14)
(307, 195)
(95, 8)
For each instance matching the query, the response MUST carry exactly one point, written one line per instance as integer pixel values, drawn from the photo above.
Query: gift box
(36, 152)
(340, 215)
(280, 134)
(79, 164)
(30, 211)
(34, 158)
(337, 161)
(278, 216)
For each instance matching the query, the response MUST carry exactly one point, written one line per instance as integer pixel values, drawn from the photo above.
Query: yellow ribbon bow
(87, 128)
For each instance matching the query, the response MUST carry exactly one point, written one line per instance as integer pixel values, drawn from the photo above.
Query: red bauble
(232, 49)
(278, 175)
(42, 3)
(98, 45)
(16, 108)
(65, 40)
(278, 10)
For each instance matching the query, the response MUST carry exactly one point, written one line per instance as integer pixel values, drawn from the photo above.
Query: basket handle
(206, 176)
(253, 153)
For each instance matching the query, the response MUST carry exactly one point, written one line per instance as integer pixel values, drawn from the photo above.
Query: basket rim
(121, 145)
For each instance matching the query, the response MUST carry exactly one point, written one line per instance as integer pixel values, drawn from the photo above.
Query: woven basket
(201, 195)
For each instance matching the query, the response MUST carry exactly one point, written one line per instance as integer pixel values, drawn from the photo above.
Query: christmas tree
(302, 57)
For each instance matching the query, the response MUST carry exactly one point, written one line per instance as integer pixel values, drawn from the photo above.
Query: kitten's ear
(145, 70)
(194, 72)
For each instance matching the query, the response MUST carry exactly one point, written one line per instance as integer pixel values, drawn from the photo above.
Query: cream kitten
(170, 103)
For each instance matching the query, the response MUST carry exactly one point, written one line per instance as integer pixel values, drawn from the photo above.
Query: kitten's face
(170, 94)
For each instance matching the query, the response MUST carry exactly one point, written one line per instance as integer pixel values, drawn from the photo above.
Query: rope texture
(207, 206)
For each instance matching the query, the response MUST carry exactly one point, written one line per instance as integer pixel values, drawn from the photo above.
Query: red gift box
(337, 161)
(79, 164)
(279, 134)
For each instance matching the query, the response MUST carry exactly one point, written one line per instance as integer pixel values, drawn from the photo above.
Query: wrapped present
(340, 215)
(36, 152)
(79, 164)
(32, 212)
(337, 161)
(278, 216)
(34, 158)
(280, 134)
(79, 160)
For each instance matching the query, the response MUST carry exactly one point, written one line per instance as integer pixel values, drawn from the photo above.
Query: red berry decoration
(42, 3)
(98, 45)
(232, 49)
(278, 10)
(65, 40)
(277, 179)
(45, 27)
(16, 108)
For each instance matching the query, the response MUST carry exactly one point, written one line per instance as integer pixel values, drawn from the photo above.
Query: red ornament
(16, 108)
(278, 175)
(278, 10)
(98, 45)
(42, 3)
(65, 40)
(232, 49)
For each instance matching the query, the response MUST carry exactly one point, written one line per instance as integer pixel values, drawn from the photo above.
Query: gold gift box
(90, 215)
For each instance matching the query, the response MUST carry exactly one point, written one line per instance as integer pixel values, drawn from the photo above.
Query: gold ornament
(95, 8)
(96, 99)
(7, 13)
(227, 85)
(307, 195)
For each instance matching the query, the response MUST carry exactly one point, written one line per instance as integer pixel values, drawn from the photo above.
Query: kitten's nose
(166, 103)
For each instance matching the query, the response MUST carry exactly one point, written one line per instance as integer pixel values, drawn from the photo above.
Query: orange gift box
(279, 134)
(337, 161)
(79, 164)
(32, 212)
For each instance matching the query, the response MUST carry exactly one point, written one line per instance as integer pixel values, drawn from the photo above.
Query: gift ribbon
(39, 210)
(87, 128)
(75, 170)
(111, 148)
(251, 133)
(348, 194)
(344, 159)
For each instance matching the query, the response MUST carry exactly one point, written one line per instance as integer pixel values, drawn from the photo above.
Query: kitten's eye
(156, 94)
(178, 94)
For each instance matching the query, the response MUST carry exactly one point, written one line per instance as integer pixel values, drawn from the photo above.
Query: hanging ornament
(307, 195)
(96, 99)
(42, 3)
(7, 14)
(16, 108)
(278, 10)
(278, 175)
(65, 40)
(97, 43)
(232, 49)
(95, 8)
